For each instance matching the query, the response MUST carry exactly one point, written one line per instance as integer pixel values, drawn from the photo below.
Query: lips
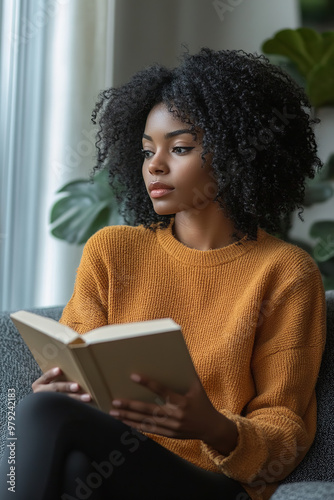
(159, 185)
(158, 189)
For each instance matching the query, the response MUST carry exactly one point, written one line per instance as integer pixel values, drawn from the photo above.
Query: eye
(146, 153)
(181, 150)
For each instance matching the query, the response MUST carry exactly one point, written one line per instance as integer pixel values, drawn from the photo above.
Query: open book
(102, 360)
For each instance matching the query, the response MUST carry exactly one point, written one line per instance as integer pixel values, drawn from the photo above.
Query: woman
(207, 159)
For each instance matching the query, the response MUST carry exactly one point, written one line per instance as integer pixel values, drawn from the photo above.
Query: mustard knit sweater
(253, 317)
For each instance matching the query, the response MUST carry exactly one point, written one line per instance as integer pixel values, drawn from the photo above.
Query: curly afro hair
(256, 126)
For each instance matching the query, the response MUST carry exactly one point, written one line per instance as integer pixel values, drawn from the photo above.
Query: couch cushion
(305, 491)
(18, 368)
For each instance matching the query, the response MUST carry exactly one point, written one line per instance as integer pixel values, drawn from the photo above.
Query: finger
(148, 425)
(86, 398)
(135, 411)
(48, 376)
(161, 411)
(156, 387)
(70, 388)
(134, 406)
(55, 386)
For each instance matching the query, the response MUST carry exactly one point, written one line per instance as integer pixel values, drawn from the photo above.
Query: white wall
(149, 31)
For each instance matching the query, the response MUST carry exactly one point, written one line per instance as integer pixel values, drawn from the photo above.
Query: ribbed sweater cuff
(247, 459)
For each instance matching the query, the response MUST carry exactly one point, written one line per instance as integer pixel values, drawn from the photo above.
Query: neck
(204, 230)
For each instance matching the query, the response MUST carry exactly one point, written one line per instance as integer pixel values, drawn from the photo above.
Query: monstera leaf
(85, 207)
(313, 55)
(323, 231)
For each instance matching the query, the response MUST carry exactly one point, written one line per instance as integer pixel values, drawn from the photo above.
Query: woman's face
(174, 174)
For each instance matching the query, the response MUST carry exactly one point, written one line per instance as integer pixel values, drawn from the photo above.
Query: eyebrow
(168, 135)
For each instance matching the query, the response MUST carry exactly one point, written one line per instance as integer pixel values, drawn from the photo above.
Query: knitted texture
(253, 318)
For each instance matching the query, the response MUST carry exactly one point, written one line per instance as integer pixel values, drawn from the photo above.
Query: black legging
(68, 450)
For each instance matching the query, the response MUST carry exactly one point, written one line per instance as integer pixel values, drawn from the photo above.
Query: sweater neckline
(208, 258)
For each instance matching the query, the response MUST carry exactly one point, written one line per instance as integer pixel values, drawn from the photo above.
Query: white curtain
(56, 55)
(23, 47)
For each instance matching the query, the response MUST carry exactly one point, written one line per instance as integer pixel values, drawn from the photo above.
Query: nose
(158, 164)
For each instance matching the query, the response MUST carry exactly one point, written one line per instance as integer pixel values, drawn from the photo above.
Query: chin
(163, 210)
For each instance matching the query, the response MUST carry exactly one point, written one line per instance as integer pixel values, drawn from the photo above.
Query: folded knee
(42, 404)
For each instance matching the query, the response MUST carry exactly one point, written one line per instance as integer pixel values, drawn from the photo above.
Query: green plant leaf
(320, 84)
(313, 42)
(328, 46)
(323, 231)
(322, 228)
(313, 54)
(84, 208)
(294, 45)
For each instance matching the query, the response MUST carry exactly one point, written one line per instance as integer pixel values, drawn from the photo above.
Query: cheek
(210, 188)
(207, 183)
(144, 173)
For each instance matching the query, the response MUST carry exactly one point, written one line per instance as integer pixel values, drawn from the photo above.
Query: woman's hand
(53, 380)
(189, 416)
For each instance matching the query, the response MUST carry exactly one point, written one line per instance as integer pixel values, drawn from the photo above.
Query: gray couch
(314, 476)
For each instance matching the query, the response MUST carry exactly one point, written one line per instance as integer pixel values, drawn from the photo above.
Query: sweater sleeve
(88, 307)
(278, 425)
